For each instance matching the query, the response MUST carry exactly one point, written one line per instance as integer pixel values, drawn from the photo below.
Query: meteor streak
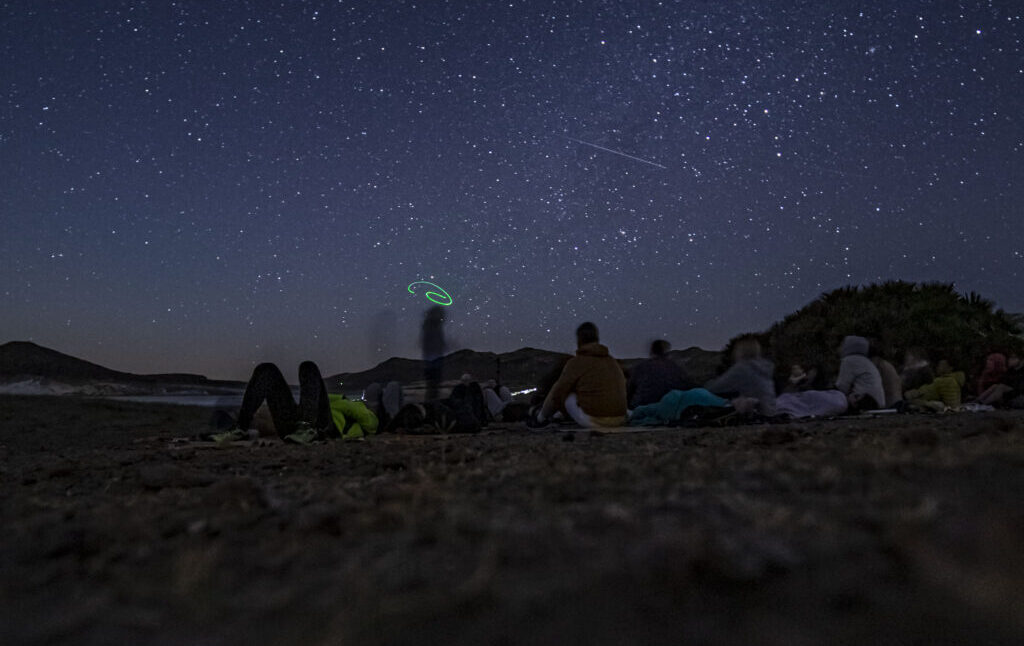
(616, 152)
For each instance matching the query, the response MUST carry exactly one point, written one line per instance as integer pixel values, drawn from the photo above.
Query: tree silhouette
(896, 316)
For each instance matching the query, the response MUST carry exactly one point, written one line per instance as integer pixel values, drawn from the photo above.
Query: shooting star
(616, 152)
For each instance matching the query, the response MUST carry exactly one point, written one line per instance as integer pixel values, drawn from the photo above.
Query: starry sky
(199, 186)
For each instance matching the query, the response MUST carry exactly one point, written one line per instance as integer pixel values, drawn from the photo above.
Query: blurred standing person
(433, 346)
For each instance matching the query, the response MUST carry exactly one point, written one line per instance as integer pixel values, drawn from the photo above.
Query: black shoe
(533, 422)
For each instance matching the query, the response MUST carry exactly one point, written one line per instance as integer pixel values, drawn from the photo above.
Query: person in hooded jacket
(858, 376)
(750, 376)
(592, 387)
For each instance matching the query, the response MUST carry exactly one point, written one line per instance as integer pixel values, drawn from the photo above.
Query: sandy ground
(898, 530)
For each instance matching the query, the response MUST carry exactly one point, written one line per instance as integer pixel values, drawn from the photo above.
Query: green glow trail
(441, 297)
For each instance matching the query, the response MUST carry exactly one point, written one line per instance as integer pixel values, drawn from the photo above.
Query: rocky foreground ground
(897, 530)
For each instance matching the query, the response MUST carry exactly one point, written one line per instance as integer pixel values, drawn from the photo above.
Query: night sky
(199, 186)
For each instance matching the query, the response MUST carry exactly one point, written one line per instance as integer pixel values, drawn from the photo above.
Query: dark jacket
(652, 379)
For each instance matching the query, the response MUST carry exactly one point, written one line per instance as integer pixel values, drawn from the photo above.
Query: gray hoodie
(857, 374)
(748, 378)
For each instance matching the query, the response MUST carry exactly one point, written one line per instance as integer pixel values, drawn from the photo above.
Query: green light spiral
(441, 297)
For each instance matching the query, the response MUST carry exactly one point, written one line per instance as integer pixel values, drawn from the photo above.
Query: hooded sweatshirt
(597, 380)
(748, 378)
(857, 375)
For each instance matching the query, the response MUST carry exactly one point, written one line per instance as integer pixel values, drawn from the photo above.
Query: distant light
(524, 392)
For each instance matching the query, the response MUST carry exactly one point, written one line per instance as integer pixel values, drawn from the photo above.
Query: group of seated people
(592, 390)
(919, 386)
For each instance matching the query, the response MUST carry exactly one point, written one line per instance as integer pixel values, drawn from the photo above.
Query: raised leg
(268, 384)
(493, 401)
(314, 407)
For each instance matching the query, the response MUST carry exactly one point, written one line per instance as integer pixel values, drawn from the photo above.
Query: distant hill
(519, 368)
(28, 367)
(23, 361)
(700, 364)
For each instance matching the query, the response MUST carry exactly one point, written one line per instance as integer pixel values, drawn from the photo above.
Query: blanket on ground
(670, 409)
(812, 403)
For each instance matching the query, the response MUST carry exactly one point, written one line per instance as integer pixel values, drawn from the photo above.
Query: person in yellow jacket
(316, 416)
(946, 389)
(592, 387)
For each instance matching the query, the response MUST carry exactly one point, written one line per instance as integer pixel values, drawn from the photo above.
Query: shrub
(896, 316)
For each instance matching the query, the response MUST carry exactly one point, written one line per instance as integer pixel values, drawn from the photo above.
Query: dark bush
(896, 315)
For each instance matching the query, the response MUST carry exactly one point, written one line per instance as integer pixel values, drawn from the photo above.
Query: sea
(228, 402)
(209, 401)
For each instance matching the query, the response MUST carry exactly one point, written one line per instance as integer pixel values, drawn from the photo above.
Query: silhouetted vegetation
(895, 316)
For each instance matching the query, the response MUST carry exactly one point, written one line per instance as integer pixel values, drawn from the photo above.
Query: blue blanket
(671, 407)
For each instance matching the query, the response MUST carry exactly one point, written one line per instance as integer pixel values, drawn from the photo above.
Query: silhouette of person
(433, 345)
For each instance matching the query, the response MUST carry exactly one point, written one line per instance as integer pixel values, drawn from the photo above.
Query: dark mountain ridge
(517, 369)
(20, 360)
(522, 368)
(897, 314)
